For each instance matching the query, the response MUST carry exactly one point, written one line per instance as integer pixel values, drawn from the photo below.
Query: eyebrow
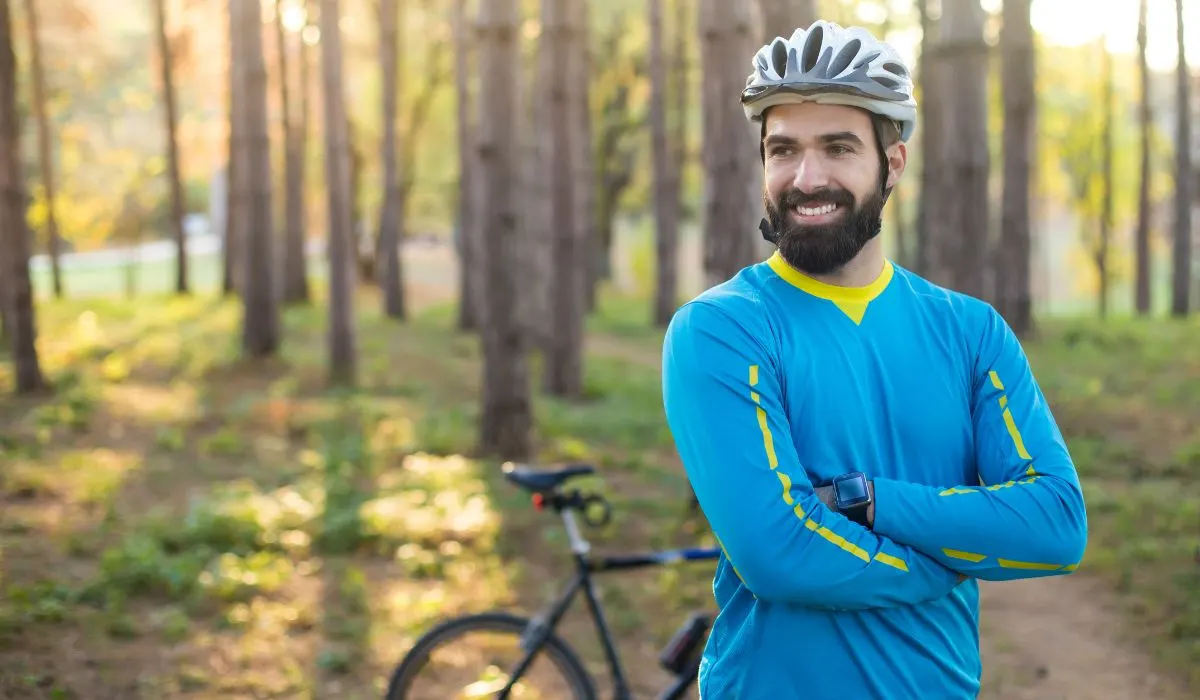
(846, 136)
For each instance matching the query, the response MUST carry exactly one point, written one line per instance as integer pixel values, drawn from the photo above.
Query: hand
(825, 493)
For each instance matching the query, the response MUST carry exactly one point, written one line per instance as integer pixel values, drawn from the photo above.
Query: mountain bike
(534, 637)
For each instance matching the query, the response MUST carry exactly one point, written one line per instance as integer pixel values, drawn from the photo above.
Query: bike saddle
(537, 480)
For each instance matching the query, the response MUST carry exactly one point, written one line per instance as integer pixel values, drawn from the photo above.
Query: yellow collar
(852, 301)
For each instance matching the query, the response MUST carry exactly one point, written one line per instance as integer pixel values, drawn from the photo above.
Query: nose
(811, 174)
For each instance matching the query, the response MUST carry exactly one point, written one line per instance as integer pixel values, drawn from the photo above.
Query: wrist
(853, 496)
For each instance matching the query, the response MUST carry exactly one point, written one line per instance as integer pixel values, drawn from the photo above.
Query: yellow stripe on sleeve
(786, 482)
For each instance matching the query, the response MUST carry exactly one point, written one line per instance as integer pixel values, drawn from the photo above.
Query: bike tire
(565, 660)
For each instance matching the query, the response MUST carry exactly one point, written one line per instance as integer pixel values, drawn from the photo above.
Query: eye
(838, 149)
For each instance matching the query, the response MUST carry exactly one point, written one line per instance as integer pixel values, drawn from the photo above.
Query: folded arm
(723, 403)
(1028, 518)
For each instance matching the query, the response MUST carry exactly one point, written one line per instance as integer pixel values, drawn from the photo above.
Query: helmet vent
(895, 69)
(812, 48)
(843, 58)
(779, 54)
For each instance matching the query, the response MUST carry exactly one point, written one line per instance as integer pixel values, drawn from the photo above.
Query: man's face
(822, 183)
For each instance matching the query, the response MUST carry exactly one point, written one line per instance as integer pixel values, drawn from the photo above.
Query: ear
(897, 159)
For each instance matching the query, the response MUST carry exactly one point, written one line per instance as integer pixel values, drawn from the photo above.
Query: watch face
(851, 492)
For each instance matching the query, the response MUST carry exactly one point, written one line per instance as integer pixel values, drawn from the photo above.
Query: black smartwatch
(852, 497)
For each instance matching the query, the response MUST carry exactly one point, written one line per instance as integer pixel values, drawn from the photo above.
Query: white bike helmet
(831, 64)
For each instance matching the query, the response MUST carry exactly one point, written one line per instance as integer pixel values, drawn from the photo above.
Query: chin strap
(768, 233)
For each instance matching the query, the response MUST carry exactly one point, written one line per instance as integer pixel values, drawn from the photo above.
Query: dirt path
(1063, 638)
(1060, 638)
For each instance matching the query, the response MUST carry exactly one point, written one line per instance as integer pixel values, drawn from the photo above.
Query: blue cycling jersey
(774, 382)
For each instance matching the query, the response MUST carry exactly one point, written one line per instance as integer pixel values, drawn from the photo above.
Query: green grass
(177, 506)
(212, 525)
(1127, 397)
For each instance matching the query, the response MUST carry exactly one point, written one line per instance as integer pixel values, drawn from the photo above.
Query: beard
(819, 249)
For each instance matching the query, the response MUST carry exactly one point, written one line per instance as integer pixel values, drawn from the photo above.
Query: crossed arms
(723, 402)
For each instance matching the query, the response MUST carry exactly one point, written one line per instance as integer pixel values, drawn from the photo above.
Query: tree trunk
(1106, 214)
(960, 246)
(366, 246)
(666, 186)
(178, 207)
(615, 155)
(342, 241)
(295, 278)
(569, 271)
(782, 17)
(45, 149)
(537, 191)
(260, 322)
(14, 232)
(507, 416)
(1013, 291)
(929, 112)
(729, 235)
(466, 241)
(1182, 249)
(593, 250)
(1142, 300)
(391, 217)
(677, 66)
(235, 168)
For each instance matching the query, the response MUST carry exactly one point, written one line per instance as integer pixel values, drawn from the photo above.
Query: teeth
(816, 211)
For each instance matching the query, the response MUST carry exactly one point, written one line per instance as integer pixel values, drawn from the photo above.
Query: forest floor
(178, 522)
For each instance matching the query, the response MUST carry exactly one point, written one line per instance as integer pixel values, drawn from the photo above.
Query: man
(864, 444)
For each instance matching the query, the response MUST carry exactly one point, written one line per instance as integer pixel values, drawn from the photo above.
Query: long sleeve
(1027, 519)
(723, 403)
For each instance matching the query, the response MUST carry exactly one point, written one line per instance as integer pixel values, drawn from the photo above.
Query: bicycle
(681, 656)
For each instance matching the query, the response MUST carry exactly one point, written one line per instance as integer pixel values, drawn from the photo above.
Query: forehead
(810, 119)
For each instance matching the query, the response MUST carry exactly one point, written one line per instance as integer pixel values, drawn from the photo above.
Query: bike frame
(543, 624)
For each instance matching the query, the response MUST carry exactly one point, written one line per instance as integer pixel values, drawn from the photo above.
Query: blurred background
(285, 281)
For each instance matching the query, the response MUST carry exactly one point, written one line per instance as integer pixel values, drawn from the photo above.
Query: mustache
(793, 197)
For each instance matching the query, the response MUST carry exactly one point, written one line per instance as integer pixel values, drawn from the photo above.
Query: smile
(813, 212)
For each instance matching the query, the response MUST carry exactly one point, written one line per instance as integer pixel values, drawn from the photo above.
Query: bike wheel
(434, 669)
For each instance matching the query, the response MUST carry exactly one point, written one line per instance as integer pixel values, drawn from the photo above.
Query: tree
(729, 141)
(666, 175)
(929, 109)
(342, 352)
(1142, 235)
(1181, 251)
(1106, 159)
(391, 216)
(17, 294)
(467, 239)
(166, 75)
(45, 147)
(235, 198)
(619, 132)
(295, 277)
(507, 415)
(563, 355)
(958, 221)
(592, 252)
(260, 321)
(1014, 295)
